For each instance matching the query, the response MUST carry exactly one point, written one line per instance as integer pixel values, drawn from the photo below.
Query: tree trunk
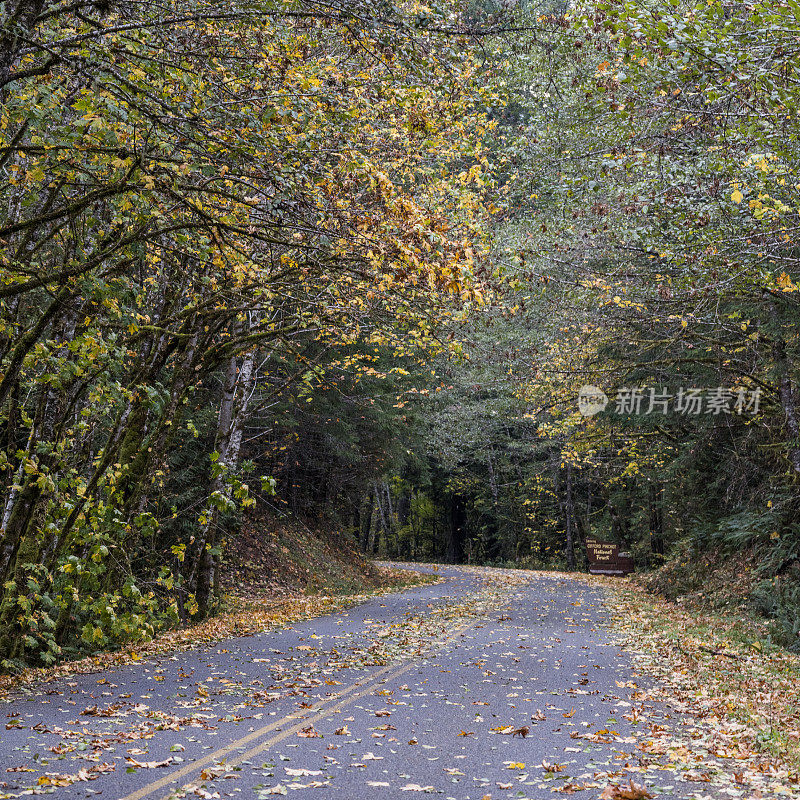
(456, 530)
(230, 428)
(366, 519)
(787, 393)
(656, 515)
(569, 513)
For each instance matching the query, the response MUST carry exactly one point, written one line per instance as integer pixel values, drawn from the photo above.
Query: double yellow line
(231, 753)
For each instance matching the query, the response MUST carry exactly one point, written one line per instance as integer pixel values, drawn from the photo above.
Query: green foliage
(357, 265)
(207, 214)
(778, 599)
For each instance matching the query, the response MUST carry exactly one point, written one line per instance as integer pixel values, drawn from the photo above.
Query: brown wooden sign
(605, 558)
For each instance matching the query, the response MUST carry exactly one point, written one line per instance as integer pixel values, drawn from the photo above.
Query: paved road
(411, 693)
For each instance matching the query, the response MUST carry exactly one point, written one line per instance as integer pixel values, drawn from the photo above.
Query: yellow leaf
(737, 196)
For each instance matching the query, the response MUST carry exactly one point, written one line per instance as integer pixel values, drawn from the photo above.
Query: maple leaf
(149, 764)
(503, 729)
(571, 788)
(633, 791)
(200, 791)
(56, 780)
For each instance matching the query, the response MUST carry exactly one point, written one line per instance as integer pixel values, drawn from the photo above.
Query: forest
(466, 280)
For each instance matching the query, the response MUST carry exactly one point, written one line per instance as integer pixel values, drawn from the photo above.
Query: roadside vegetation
(352, 265)
(721, 668)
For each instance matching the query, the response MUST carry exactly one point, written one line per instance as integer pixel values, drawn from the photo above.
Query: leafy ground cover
(708, 713)
(738, 692)
(296, 573)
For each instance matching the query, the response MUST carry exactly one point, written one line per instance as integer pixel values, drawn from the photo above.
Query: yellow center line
(260, 748)
(219, 754)
(329, 706)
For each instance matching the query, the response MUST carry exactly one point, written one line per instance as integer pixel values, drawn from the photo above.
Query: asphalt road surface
(487, 684)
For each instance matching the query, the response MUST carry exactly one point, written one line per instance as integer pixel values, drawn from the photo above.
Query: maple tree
(196, 193)
(361, 261)
(648, 179)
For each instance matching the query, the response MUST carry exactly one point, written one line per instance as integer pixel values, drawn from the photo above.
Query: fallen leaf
(633, 791)
(149, 764)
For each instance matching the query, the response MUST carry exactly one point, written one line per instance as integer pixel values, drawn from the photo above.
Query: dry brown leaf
(56, 780)
(571, 788)
(149, 764)
(633, 791)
